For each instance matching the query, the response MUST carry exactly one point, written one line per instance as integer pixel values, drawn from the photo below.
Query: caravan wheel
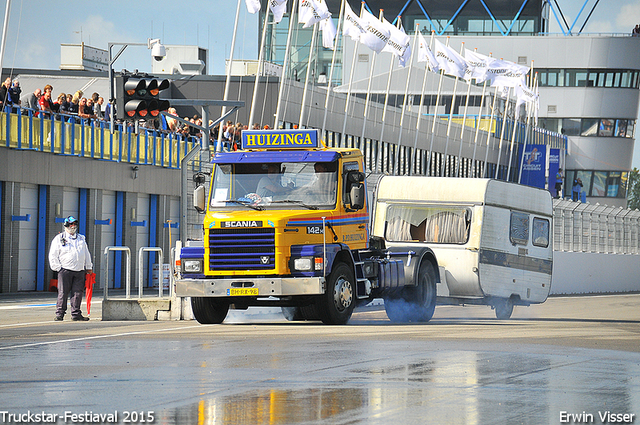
(504, 308)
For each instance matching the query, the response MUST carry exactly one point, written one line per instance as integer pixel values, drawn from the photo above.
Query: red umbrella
(88, 289)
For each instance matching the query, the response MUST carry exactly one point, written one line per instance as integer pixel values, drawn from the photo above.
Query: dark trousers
(70, 283)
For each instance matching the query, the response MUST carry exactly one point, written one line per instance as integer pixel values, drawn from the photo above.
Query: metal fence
(583, 227)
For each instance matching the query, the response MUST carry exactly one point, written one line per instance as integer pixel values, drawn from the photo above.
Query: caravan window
(428, 224)
(540, 232)
(519, 228)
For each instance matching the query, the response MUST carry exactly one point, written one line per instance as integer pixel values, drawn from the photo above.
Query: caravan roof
(449, 190)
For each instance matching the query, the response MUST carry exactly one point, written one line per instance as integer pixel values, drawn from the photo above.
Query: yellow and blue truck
(287, 224)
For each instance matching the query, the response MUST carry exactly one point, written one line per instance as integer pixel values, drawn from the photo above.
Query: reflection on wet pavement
(446, 387)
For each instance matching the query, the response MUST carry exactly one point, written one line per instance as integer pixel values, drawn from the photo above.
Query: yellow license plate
(243, 292)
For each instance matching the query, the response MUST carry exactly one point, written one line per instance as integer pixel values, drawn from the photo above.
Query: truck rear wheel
(415, 303)
(336, 305)
(209, 311)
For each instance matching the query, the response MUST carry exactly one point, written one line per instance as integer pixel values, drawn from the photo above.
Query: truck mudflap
(256, 287)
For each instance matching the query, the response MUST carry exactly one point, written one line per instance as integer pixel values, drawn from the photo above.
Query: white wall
(586, 272)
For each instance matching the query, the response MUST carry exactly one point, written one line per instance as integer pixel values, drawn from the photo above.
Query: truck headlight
(306, 264)
(192, 266)
(302, 264)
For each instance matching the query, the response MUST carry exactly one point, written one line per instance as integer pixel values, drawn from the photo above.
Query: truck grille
(242, 249)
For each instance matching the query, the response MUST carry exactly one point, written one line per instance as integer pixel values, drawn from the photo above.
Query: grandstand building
(588, 83)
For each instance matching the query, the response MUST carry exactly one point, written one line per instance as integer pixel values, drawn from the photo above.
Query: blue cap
(70, 220)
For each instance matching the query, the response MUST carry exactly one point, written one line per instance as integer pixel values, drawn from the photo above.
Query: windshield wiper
(246, 204)
(291, 201)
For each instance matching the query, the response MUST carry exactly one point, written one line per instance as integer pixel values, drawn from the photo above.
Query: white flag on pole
(311, 12)
(524, 95)
(252, 6)
(278, 8)
(399, 43)
(329, 31)
(353, 25)
(449, 60)
(426, 55)
(503, 73)
(376, 35)
(477, 65)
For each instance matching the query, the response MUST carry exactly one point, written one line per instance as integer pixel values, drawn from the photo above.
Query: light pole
(157, 51)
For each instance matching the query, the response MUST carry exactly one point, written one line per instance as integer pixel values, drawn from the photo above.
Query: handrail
(106, 270)
(141, 269)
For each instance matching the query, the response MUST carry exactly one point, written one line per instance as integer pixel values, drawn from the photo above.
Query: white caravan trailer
(491, 239)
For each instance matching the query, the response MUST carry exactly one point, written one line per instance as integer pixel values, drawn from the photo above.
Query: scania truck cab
(286, 224)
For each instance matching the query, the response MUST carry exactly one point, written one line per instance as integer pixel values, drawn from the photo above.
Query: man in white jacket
(70, 257)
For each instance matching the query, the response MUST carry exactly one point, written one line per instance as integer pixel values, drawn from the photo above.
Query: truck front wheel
(209, 311)
(336, 305)
(415, 303)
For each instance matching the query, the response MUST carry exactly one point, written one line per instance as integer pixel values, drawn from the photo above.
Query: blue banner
(279, 139)
(533, 166)
(554, 166)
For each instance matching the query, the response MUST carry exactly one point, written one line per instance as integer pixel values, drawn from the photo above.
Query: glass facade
(606, 184)
(590, 127)
(489, 17)
(609, 78)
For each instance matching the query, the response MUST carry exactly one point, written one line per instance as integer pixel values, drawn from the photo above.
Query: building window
(603, 184)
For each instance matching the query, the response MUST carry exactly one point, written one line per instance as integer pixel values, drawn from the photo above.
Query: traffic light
(138, 97)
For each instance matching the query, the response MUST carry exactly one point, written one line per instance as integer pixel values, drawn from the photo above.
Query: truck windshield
(275, 185)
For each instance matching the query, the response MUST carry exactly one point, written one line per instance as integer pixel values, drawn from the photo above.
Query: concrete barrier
(135, 308)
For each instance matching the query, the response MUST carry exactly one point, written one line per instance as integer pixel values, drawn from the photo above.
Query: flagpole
(406, 94)
(353, 66)
(368, 97)
(464, 121)
(306, 78)
(228, 79)
(453, 102)
(333, 62)
(424, 83)
(435, 113)
(513, 139)
(526, 135)
(504, 124)
(493, 110)
(260, 65)
(285, 63)
(478, 122)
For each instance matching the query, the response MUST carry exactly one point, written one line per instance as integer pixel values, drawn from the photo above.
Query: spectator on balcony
(97, 108)
(88, 109)
(63, 104)
(45, 102)
(30, 101)
(82, 108)
(14, 93)
(4, 93)
(74, 105)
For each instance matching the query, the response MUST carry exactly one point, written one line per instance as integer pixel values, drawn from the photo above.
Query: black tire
(503, 308)
(336, 305)
(292, 314)
(414, 303)
(209, 311)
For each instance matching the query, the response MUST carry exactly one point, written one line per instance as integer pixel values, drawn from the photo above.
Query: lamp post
(157, 51)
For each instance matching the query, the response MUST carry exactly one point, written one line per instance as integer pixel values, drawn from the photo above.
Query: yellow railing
(92, 139)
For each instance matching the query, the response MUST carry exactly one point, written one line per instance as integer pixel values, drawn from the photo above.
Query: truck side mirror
(356, 196)
(199, 199)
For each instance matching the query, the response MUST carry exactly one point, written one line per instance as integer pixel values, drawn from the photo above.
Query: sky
(36, 29)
